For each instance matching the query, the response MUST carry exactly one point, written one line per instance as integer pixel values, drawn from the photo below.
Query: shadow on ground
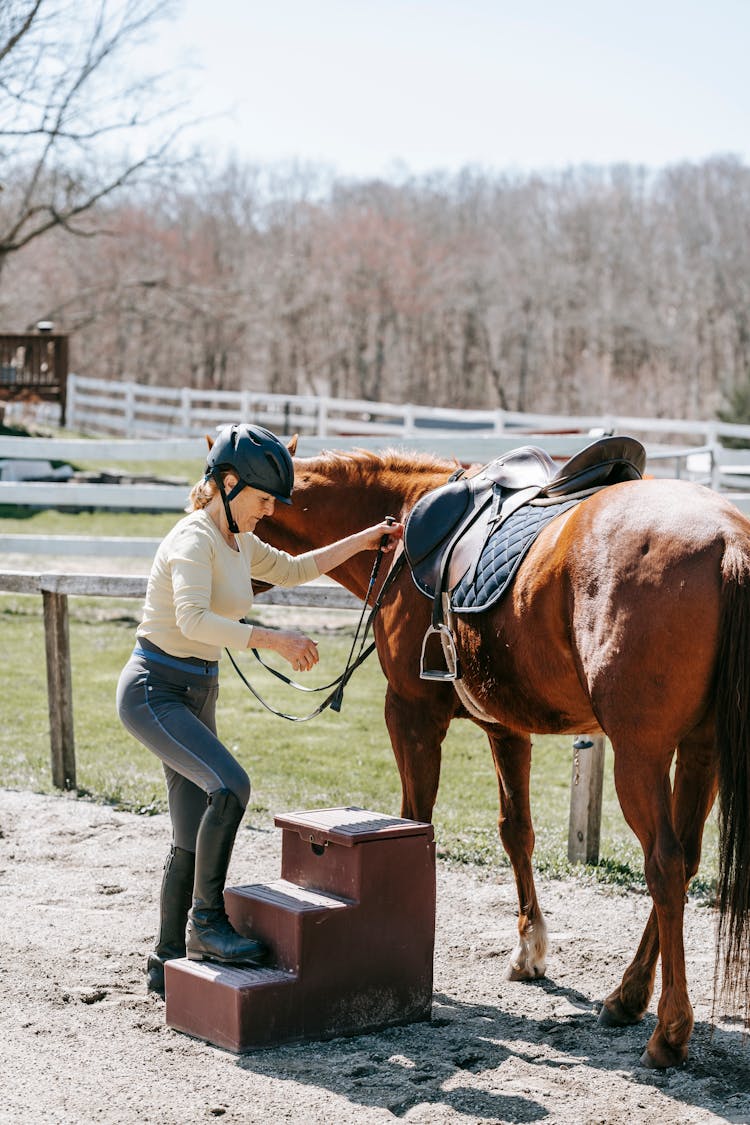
(424, 1064)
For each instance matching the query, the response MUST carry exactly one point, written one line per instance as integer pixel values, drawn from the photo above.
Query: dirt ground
(83, 1042)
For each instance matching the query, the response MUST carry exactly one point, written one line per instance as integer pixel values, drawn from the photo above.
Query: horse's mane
(396, 461)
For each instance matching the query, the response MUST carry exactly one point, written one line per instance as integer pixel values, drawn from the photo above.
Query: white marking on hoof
(528, 960)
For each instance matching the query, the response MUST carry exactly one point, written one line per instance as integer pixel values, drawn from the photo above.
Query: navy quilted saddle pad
(501, 556)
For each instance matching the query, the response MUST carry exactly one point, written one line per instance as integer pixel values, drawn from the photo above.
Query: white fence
(698, 463)
(168, 424)
(132, 410)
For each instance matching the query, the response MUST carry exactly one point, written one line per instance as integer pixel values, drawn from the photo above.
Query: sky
(388, 88)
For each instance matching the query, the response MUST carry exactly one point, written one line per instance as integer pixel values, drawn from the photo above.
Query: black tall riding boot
(210, 936)
(174, 903)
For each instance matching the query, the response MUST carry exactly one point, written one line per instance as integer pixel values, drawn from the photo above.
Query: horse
(629, 616)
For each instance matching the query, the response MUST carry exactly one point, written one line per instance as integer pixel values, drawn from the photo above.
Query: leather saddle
(447, 529)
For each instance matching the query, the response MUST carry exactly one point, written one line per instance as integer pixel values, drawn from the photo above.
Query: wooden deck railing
(34, 365)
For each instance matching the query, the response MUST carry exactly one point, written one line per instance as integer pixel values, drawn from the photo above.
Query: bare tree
(595, 291)
(77, 121)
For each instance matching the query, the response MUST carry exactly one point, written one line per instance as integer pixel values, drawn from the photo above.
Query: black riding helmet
(259, 459)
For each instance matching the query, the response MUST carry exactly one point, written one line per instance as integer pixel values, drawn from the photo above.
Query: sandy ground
(83, 1042)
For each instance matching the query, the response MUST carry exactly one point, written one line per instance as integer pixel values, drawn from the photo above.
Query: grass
(20, 520)
(332, 760)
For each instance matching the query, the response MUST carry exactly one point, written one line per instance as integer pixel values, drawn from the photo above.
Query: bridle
(335, 699)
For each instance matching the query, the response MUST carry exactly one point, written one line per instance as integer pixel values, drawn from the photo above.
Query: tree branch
(59, 105)
(14, 39)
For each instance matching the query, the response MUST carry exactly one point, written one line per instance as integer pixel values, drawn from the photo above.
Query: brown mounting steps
(351, 925)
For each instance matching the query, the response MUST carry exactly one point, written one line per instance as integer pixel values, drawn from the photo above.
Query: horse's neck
(326, 510)
(354, 574)
(320, 518)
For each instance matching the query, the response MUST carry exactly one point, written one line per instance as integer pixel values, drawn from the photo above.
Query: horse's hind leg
(693, 796)
(695, 787)
(512, 756)
(669, 829)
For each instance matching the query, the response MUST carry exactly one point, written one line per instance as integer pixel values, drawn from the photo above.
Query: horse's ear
(210, 441)
(292, 444)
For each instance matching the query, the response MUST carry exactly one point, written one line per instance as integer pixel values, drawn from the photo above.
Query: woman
(198, 590)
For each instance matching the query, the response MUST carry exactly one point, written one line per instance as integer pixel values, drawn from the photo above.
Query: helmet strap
(216, 477)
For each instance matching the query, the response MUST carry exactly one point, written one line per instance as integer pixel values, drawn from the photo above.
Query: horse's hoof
(668, 1057)
(614, 1014)
(516, 972)
(617, 1018)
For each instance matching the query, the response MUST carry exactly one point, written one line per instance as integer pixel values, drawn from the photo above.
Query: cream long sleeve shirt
(199, 588)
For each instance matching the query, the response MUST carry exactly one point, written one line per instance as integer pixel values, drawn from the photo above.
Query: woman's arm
(297, 648)
(328, 558)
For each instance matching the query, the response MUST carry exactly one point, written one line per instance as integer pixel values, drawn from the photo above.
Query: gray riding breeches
(169, 704)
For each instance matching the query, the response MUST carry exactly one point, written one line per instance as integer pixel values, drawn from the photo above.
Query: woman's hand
(388, 531)
(298, 649)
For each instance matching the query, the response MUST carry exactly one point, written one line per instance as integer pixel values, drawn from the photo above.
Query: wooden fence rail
(55, 588)
(707, 464)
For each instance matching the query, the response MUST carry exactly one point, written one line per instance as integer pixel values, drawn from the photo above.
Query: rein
(335, 699)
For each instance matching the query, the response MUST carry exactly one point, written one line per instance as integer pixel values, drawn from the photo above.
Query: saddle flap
(427, 572)
(439, 521)
(433, 518)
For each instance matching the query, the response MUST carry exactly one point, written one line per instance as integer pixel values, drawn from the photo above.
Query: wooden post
(70, 402)
(584, 828)
(186, 403)
(129, 410)
(61, 374)
(59, 689)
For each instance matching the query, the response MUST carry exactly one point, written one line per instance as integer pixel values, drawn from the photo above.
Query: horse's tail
(733, 746)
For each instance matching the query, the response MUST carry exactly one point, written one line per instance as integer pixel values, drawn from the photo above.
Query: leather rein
(335, 698)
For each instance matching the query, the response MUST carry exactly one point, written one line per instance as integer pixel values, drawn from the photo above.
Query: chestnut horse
(629, 616)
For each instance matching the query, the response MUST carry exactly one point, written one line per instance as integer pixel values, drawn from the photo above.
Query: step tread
(350, 825)
(289, 896)
(233, 976)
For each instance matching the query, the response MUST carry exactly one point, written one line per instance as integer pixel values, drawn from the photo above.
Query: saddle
(448, 532)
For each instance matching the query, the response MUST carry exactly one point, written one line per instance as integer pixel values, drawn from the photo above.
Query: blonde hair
(201, 494)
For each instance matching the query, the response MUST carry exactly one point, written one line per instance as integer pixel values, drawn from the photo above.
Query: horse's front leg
(512, 755)
(417, 728)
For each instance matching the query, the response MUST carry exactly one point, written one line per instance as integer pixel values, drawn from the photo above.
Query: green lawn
(332, 760)
(19, 520)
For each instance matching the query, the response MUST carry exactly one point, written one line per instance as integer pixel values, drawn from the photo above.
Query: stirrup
(452, 670)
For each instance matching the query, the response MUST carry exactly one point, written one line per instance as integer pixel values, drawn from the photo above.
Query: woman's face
(249, 505)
